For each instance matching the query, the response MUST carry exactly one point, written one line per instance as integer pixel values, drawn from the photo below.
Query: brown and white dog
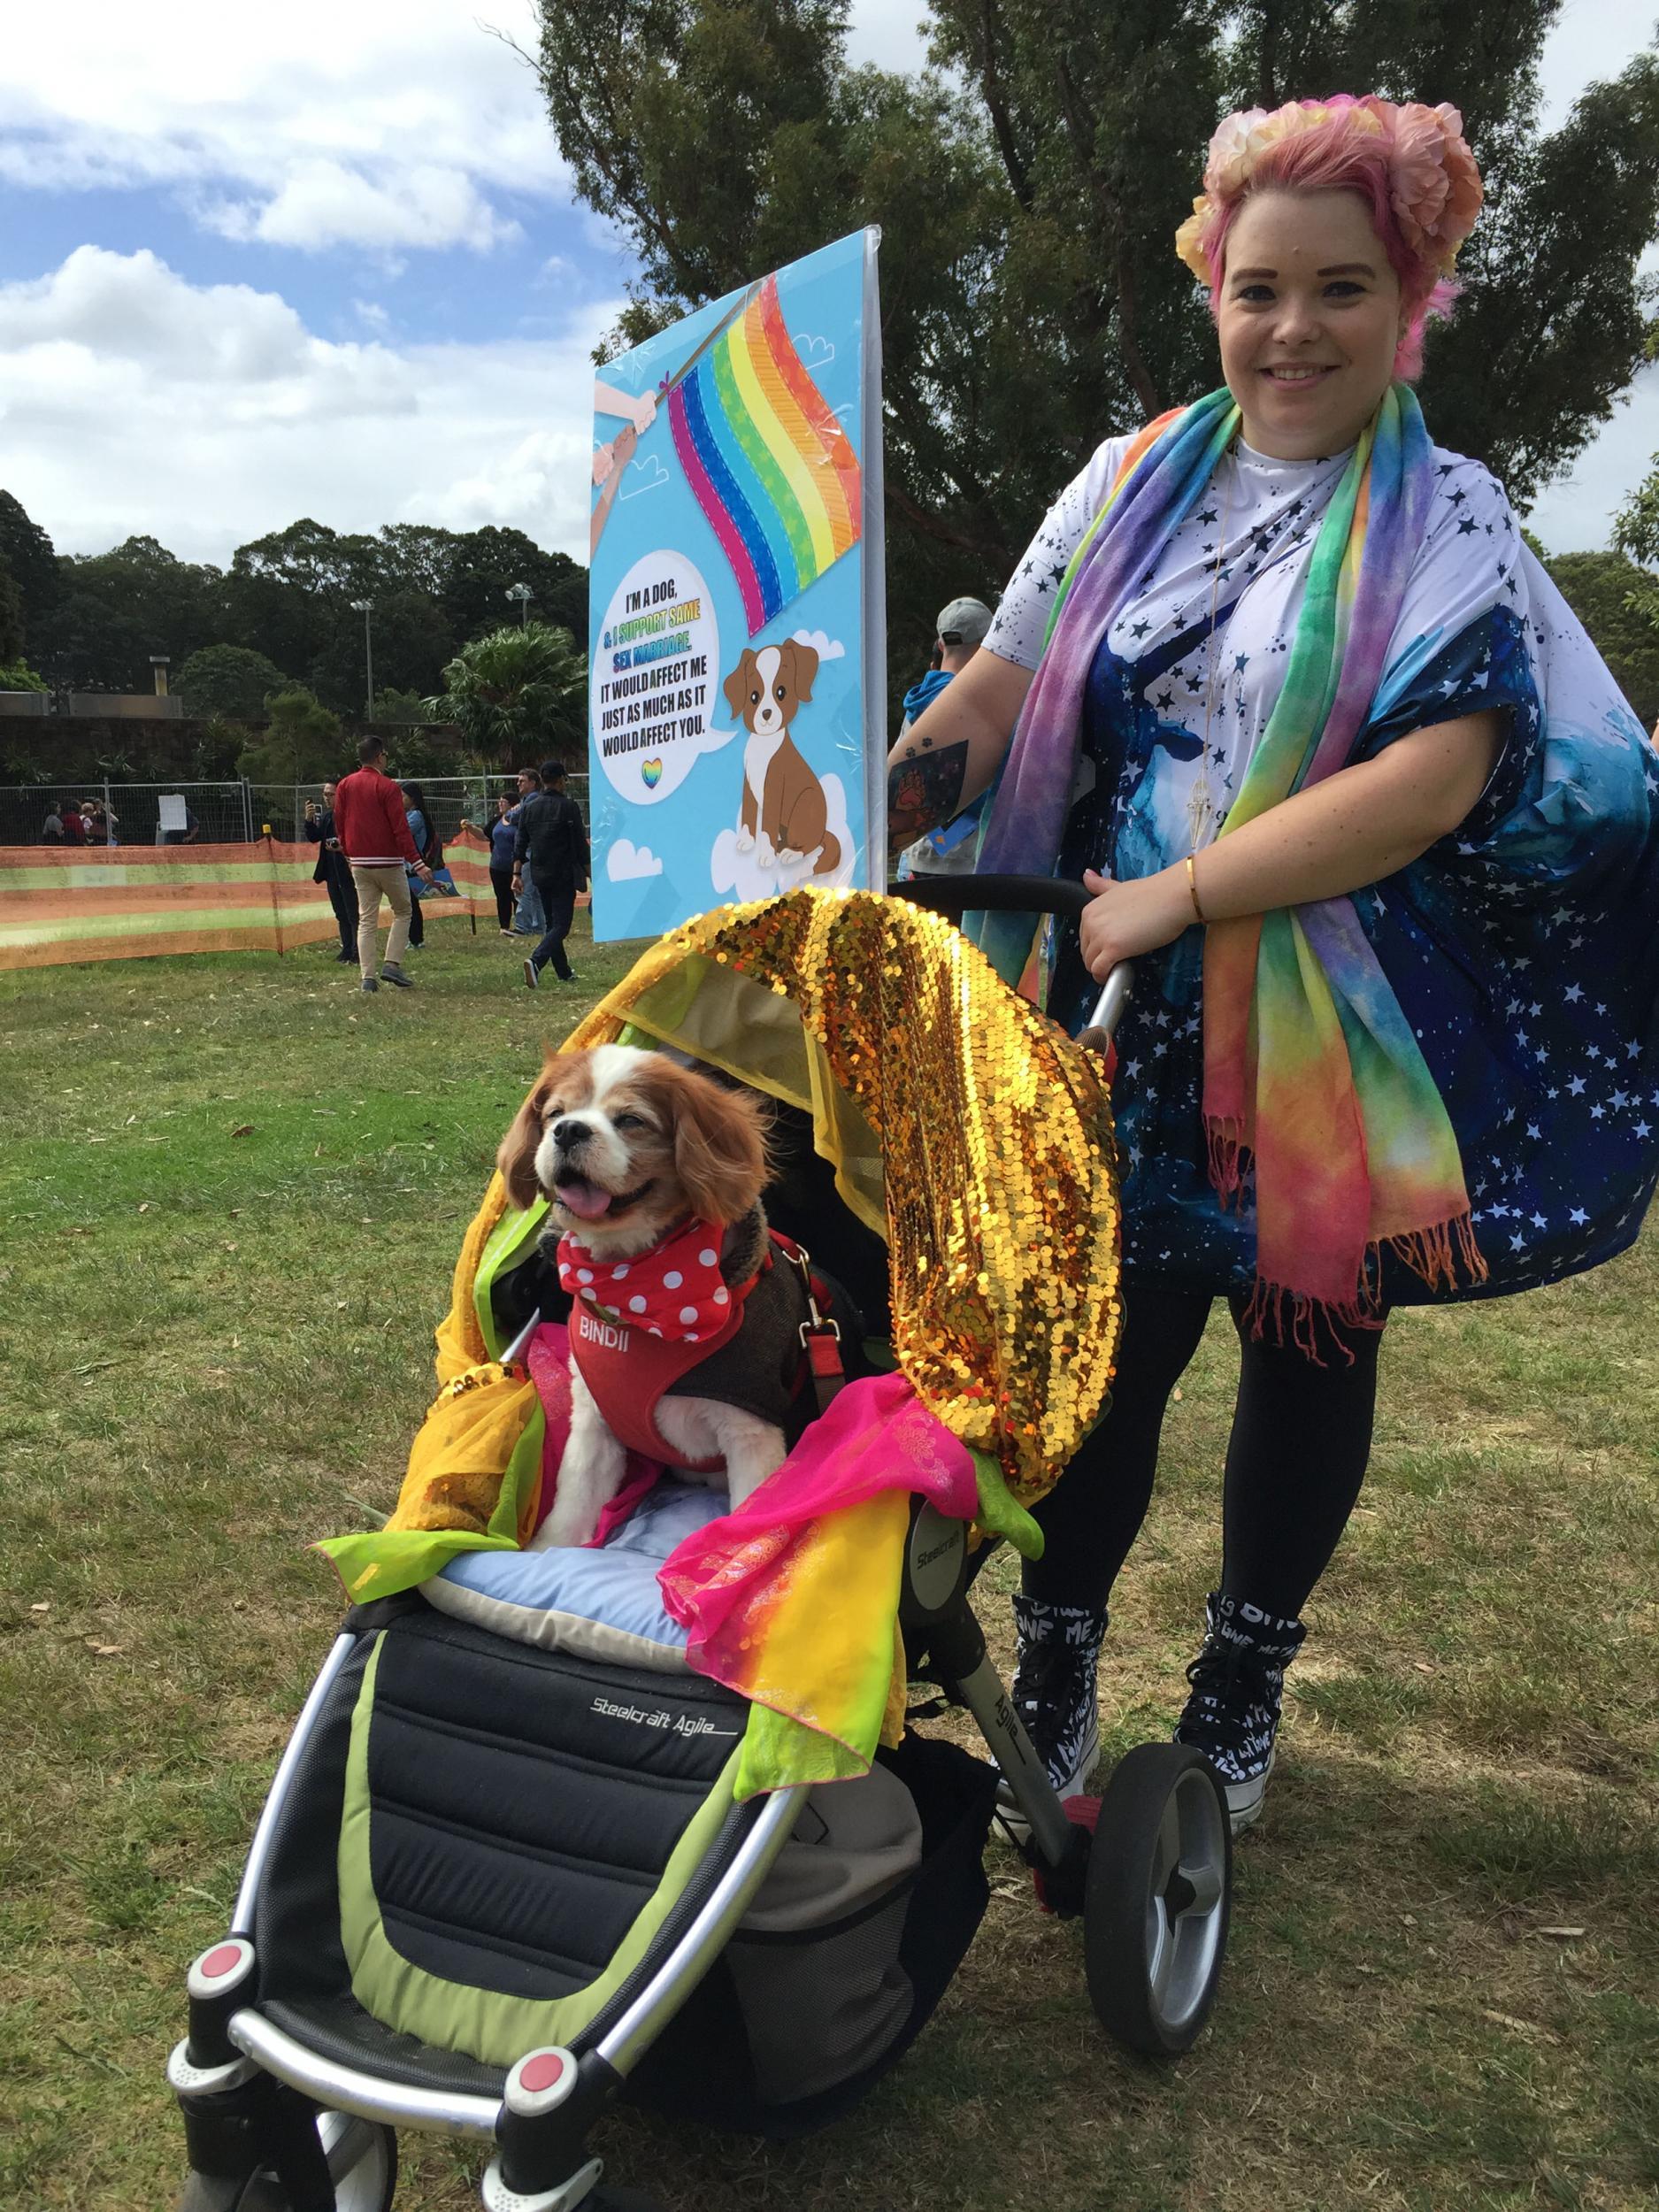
(783, 812)
(628, 1147)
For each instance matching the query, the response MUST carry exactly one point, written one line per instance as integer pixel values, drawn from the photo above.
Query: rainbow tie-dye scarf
(1312, 1076)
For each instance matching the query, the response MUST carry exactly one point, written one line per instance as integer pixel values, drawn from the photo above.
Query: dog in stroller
(542, 1837)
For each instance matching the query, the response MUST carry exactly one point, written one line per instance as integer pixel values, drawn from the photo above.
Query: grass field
(235, 1189)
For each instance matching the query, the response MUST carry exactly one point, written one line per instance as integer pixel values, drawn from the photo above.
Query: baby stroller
(510, 1867)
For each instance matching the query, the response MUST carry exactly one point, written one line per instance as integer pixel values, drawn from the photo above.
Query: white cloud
(625, 864)
(827, 648)
(644, 476)
(322, 203)
(133, 400)
(381, 123)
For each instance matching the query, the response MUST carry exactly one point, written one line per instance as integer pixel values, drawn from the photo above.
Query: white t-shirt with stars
(1244, 550)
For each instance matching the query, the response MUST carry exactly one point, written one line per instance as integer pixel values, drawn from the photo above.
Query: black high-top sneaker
(1238, 1685)
(1056, 1664)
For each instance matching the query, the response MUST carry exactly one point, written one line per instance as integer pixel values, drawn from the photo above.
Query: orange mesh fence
(60, 906)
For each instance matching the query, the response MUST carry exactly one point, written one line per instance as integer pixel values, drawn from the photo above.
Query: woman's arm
(1352, 829)
(951, 753)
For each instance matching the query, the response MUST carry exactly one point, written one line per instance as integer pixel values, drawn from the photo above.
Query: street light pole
(364, 607)
(523, 594)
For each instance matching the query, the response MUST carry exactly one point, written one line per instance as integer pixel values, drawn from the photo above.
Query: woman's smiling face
(1309, 316)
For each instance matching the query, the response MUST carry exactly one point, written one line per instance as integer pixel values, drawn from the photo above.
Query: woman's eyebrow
(1337, 268)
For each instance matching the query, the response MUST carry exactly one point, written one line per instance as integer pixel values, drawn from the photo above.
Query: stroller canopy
(963, 1126)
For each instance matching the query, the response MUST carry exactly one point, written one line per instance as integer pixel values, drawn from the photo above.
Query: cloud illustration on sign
(827, 648)
(626, 863)
(649, 473)
(816, 353)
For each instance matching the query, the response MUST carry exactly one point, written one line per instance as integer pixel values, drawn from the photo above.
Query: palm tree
(518, 695)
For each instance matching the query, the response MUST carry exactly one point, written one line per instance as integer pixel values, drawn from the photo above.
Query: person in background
(529, 920)
(951, 850)
(52, 827)
(191, 834)
(550, 845)
(502, 831)
(373, 832)
(421, 830)
(74, 829)
(101, 822)
(334, 869)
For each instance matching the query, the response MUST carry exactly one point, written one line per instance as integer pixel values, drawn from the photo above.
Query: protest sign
(736, 671)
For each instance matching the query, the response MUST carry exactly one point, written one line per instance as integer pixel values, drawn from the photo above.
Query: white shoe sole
(1244, 1798)
(1009, 1813)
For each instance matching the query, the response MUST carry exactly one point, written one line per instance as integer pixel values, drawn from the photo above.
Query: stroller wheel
(362, 2158)
(1155, 1922)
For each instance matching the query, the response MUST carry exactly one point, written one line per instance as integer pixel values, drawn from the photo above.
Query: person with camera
(334, 869)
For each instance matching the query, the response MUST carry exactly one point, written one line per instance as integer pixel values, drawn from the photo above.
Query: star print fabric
(1520, 950)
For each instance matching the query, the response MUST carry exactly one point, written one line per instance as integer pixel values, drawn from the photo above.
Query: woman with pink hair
(1357, 796)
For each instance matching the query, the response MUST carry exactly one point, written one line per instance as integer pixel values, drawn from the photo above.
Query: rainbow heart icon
(652, 772)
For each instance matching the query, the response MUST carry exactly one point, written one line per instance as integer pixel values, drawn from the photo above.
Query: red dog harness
(639, 1327)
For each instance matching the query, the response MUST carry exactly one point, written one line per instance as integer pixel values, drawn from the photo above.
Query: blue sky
(324, 259)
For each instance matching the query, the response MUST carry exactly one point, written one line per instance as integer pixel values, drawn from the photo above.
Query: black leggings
(1295, 1460)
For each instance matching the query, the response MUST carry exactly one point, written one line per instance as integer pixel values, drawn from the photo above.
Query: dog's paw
(745, 842)
(765, 858)
(787, 856)
(565, 1531)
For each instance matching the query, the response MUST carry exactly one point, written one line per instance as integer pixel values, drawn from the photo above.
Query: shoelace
(1230, 1687)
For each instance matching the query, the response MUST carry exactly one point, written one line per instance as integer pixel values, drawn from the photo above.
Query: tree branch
(997, 107)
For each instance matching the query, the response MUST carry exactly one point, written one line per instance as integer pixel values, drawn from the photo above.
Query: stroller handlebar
(955, 895)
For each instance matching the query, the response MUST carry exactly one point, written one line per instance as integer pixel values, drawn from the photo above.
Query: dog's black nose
(568, 1132)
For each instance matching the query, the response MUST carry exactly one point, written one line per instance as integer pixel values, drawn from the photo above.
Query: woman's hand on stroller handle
(955, 895)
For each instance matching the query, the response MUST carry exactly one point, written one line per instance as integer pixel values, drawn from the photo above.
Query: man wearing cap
(952, 849)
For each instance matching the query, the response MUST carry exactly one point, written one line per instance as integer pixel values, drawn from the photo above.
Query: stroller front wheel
(1154, 1921)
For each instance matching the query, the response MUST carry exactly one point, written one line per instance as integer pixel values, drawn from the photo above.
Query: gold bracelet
(1192, 885)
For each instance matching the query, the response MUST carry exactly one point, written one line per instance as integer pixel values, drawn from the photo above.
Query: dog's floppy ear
(719, 1143)
(516, 1159)
(803, 667)
(741, 682)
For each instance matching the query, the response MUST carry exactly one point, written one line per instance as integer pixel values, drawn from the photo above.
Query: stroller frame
(274, 2126)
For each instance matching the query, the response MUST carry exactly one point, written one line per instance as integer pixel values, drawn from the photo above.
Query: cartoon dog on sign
(783, 813)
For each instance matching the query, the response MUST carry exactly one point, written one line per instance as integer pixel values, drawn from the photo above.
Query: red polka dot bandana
(674, 1291)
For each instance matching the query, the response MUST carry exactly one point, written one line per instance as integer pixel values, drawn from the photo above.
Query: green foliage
(228, 681)
(1032, 302)
(286, 600)
(1636, 535)
(301, 744)
(16, 675)
(114, 610)
(1607, 592)
(391, 705)
(12, 633)
(517, 695)
(26, 550)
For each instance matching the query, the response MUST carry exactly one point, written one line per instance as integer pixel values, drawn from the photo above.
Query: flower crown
(1433, 184)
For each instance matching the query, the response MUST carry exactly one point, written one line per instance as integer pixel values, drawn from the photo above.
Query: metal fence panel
(231, 811)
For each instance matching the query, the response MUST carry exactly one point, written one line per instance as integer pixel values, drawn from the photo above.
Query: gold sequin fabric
(996, 1136)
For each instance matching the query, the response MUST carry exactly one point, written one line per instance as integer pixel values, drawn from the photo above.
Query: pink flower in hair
(1232, 152)
(1434, 187)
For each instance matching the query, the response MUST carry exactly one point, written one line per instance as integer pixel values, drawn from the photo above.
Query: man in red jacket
(373, 832)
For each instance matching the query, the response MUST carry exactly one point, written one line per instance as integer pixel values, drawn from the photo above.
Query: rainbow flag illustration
(771, 467)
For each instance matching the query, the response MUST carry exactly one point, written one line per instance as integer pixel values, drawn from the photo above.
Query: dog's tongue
(584, 1200)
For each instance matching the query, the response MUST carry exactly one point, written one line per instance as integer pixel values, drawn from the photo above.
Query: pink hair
(1339, 154)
